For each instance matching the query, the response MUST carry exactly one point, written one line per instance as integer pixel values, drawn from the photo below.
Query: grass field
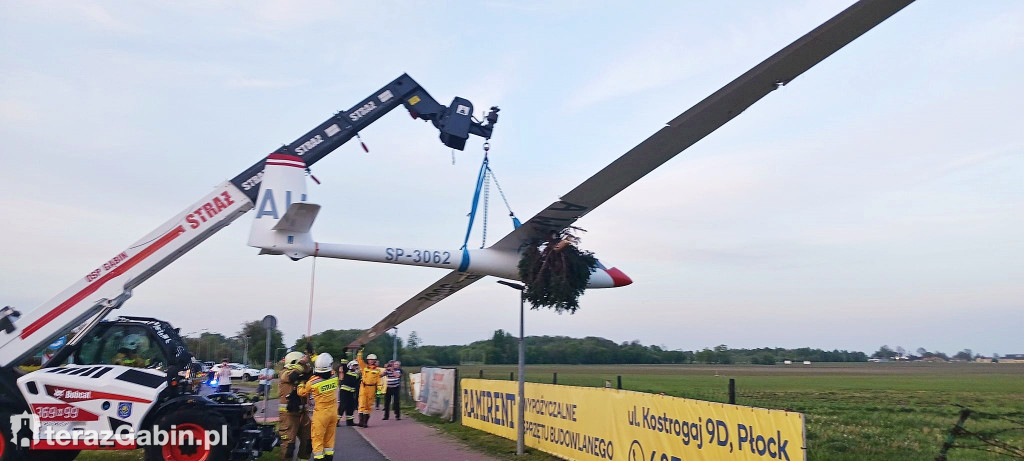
(856, 411)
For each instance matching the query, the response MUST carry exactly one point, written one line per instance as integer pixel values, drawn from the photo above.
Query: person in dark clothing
(391, 396)
(349, 390)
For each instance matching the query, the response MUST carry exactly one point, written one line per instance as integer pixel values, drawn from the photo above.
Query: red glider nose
(618, 277)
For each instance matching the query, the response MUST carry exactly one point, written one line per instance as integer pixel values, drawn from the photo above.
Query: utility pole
(394, 351)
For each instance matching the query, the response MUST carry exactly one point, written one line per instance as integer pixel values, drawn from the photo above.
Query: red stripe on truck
(78, 297)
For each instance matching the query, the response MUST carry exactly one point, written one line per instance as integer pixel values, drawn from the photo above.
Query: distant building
(981, 359)
(1012, 358)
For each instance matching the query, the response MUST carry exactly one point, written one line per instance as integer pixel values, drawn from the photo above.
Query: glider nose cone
(620, 278)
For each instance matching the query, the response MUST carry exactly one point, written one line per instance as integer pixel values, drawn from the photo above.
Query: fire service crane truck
(126, 376)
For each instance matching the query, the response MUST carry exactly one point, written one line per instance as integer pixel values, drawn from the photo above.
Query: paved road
(408, 440)
(354, 446)
(392, 440)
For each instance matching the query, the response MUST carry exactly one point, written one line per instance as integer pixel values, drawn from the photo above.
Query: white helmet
(323, 363)
(371, 357)
(292, 358)
(353, 365)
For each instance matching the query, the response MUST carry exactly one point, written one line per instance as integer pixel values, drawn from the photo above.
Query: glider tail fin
(283, 217)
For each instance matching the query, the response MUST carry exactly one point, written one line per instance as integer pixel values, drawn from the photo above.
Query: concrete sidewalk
(409, 440)
(274, 414)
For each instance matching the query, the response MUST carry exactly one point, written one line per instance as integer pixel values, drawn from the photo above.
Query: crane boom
(107, 286)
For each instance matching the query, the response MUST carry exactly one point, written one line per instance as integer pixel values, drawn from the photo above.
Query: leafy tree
(965, 354)
(722, 354)
(335, 342)
(413, 341)
(214, 347)
(258, 341)
(502, 348)
(884, 352)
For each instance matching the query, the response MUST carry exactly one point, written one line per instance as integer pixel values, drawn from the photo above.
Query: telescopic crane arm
(110, 284)
(455, 123)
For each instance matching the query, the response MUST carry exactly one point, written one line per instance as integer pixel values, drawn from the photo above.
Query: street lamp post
(201, 342)
(269, 324)
(245, 355)
(521, 406)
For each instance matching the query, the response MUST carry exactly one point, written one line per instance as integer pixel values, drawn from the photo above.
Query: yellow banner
(587, 423)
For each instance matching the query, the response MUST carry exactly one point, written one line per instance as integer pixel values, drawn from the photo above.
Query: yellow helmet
(292, 358)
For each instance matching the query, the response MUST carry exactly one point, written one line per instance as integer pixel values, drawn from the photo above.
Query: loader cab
(129, 341)
(128, 345)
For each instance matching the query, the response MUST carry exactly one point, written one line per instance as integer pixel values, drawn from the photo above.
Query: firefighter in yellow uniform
(128, 353)
(372, 376)
(294, 422)
(323, 389)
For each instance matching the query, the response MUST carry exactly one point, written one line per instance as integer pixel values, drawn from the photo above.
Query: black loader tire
(193, 417)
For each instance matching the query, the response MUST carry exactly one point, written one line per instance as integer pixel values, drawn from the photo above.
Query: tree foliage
(214, 347)
(414, 340)
(502, 348)
(555, 271)
(885, 352)
(335, 341)
(965, 354)
(258, 341)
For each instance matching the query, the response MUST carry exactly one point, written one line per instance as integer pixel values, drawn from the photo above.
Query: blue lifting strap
(476, 200)
(464, 264)
(481, 179)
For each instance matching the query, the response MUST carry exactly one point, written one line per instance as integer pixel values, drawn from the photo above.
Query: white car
(238, 371)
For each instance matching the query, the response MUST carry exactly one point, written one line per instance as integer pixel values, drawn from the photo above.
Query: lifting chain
(502, 193)
(487, 200)
(487, 192)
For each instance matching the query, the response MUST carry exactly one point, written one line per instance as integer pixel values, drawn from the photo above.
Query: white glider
(284, 218)
(680, 133)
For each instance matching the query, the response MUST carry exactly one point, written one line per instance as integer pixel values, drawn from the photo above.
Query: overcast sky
(877, 199)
